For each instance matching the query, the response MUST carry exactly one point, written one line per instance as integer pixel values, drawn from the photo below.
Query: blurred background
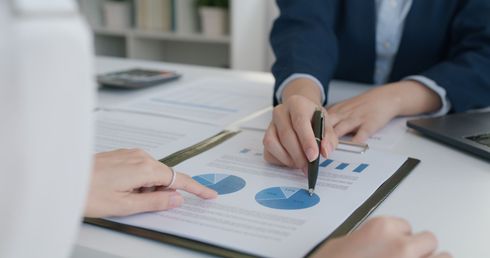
(221, 33)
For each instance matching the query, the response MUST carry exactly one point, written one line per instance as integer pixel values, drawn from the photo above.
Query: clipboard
(349, 224)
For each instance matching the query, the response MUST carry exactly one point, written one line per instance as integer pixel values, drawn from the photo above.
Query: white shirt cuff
(295, 76)
(446, 104)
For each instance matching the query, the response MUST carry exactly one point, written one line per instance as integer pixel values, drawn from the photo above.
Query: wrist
(303, 87)
(413, 98)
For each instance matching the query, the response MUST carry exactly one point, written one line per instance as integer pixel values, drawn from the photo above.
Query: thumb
(152, 201)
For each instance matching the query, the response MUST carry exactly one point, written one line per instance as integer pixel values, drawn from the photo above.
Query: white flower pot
(214, 21)
(117, 14)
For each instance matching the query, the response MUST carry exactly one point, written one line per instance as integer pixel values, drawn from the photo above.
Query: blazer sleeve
(465, 73)
(303, 40)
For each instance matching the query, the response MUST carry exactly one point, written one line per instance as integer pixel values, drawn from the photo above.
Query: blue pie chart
(221, 183)
(286, 198)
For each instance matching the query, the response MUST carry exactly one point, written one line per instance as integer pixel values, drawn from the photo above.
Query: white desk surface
(448, 193)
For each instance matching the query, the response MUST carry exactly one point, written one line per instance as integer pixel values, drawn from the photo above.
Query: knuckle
(267, 157)
(380, 225)
(431, 237)
(360, 120)
(145, 165)
(148, 159)
(353, 120)
(339, 129)
(268, 141)
(159, 204)
(404, 248)
(294, 100)
(364, 131)
(156, 206)
(298, 120)
(137, 151)
(284, 133)
(158, 201)
(446, 255)
(278, 110)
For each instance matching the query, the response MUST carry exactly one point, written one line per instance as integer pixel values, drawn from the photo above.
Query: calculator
(136, 78)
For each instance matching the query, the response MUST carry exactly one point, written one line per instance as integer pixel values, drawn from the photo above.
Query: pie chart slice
(286, 198)
(221, 183)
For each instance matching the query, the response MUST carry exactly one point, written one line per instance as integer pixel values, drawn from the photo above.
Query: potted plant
(213, 17)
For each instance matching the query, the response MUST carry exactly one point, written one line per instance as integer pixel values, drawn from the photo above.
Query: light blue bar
(360, 168)
(326, 163)
(342, 166)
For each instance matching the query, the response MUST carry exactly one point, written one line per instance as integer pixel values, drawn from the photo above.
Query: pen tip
(310, 191)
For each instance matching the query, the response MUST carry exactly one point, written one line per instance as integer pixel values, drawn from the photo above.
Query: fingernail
(329, 148)
(175, 200)
(214, 194)
(310, 154)
(324, 151)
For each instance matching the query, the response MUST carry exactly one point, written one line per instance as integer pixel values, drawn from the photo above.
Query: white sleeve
(47, 96)
(446, 104)
(295, 76)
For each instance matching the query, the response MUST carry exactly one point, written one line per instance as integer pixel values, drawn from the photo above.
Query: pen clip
(322, 125)
(348, 146)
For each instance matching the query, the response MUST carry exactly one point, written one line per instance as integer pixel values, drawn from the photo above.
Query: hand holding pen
(289, 140)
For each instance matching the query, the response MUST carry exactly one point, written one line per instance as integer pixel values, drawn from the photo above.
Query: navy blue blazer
(447, 41)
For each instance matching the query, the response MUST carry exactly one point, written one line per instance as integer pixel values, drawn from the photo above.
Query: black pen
(317, 124)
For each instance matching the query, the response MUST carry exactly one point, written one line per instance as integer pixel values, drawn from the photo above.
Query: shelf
(244, 48)
(171, 36)
(110, 31)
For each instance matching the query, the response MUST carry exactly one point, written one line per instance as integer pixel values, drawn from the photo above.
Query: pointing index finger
(186, 183)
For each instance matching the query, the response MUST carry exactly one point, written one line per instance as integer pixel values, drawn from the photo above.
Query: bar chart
(340, 166)
(251, 151)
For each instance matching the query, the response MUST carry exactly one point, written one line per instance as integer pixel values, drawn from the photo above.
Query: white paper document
(159, 136)
(263, 209)
(259, 122)
(386, 138)
(215, 101)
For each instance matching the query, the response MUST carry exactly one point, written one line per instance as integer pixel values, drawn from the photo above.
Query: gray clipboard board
(355, 219)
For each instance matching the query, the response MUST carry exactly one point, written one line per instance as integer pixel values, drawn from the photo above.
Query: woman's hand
(367, 113)
(382, 238)
(126, 181)
(289, 140)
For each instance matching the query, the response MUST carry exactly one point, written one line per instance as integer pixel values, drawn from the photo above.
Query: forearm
(413, 98)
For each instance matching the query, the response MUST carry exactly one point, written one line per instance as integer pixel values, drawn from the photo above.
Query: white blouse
(46, 101)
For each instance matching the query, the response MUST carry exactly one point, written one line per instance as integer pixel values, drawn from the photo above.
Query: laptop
(466, 131)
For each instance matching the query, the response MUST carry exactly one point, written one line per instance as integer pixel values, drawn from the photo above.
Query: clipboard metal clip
(348, 146)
